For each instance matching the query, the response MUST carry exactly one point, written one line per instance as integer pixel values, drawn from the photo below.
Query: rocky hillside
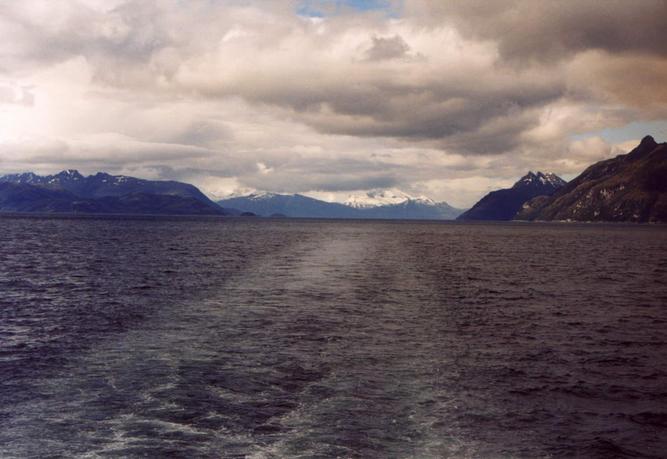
(630, 187)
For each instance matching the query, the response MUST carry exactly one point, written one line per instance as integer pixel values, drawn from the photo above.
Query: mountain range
(103, 185)
(504, 204)
(630, 187)
(69, 191)
(383, 197)
(377, 204)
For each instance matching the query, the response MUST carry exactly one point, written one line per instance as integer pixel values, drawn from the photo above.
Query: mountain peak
(629, 187)
(530, 176)
(383, 197)
(70, 173)
(540, 179)
(645, 147)
(504, 204)
(648, 141)
(552, 179)
(258, 195)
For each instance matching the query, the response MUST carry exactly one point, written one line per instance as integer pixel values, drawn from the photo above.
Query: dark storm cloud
(117, 152)
(200, 133)
(163, 172)
(297, 182)
(331, 174)
(544, 29)
(387, 48)
(479, 115)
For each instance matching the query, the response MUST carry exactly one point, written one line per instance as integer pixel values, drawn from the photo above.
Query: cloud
(411, 96)
(324, 74)
(545, 30)
(387, 48)
(11, 94)
(613, 51)
(636, 81)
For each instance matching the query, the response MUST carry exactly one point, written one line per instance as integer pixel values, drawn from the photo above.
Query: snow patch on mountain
(543, 178)
(259, 195)
(384, 197)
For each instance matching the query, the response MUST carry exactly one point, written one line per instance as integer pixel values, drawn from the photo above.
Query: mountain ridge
(505, 203)
(103, 184)
(629, 187)
(69, 191)
(300, 206)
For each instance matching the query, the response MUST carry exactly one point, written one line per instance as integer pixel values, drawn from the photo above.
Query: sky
(447, 99)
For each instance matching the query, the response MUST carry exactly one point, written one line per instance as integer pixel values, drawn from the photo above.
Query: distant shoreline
(113, 216)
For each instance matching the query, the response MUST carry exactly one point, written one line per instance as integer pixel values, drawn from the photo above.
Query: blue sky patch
(323, 8)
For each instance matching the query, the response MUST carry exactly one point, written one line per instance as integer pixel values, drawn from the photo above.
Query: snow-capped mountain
(377, 204)
(387, 197)
(548, 180)
(257, 196)
(504, 204)
(291, 205)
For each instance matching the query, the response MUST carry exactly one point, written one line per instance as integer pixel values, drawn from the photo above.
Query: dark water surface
(271, 339)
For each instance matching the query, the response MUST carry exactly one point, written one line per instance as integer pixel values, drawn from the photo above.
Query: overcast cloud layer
(446, 99)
